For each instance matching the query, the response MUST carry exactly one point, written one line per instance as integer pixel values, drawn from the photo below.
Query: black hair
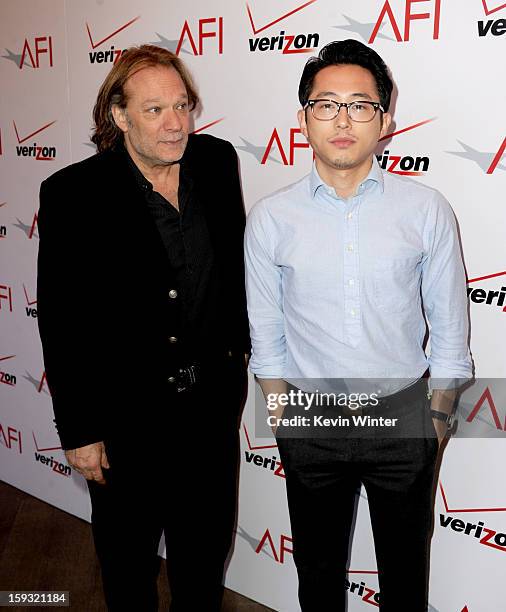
(347, 52)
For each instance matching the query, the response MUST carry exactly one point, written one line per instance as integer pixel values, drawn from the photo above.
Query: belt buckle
(186, 378)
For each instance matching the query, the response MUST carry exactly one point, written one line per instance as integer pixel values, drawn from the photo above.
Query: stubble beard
(343, 164)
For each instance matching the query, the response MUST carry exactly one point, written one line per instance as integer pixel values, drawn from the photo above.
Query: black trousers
(176, 475)
(323, 476)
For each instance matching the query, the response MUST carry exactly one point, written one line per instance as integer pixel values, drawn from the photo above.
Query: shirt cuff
(445, 384)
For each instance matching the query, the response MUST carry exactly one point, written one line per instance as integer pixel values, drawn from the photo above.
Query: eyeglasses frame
(377, 106)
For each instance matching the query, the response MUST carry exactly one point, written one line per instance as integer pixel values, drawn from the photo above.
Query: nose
(172, 121)
(343, 119)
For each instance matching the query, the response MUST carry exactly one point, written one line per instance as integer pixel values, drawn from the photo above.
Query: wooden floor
(43, 548)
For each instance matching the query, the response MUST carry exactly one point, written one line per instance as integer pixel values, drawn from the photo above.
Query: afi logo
(43, 379)
(112, 55)
(6, 298)
(30, 231)
(32, 228)
(487, 399)
(275, 141)
(10, 437)
(211, 27)
(278, 553)
(32, 50)
(408, 17)
(487, 161)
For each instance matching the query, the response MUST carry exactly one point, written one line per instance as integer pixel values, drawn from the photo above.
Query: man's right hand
(89, 460)
(271, 387)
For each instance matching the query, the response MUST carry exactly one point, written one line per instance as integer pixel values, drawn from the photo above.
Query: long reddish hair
(106, 134)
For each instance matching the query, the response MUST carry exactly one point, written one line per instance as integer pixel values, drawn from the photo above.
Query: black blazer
(104, 308)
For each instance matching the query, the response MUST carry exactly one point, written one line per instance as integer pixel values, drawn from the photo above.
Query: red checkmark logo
(406, 129)
(40, 450)
(94, 45)
(480, 278)
(261, 29)
(30, 303)
(252, 448)
(21, 140)
(449, 509)
(489, 11)
(208, 125)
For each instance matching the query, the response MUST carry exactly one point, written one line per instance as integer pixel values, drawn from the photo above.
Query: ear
(301, 116)
(120, 117)
(385, 124)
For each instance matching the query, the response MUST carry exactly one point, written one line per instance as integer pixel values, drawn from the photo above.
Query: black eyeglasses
(360, 110)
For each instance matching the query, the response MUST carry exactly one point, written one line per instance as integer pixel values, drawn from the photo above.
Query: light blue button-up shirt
(337, 288)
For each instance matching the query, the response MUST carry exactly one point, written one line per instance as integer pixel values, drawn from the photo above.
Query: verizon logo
(55, 466)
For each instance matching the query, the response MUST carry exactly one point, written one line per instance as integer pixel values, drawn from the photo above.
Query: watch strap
(443, 416)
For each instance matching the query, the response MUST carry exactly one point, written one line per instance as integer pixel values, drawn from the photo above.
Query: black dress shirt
(186, 239)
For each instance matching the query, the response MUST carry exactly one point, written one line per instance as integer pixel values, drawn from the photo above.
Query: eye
(182, 106)
(325, 106)
(360, 107)
(154, 110)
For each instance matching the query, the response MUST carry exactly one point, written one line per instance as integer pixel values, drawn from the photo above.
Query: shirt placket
(351, 276)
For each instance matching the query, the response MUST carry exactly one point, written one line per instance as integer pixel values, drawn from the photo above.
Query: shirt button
(353, 312)
(173, 340)
(173, 294)
(351, 281)
(171, 379)
(350, 247)
(349, 216)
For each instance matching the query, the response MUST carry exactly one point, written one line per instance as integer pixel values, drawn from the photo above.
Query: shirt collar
(375, 176)
(142, 181)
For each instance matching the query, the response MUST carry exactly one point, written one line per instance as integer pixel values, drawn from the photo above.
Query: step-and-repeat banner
(449, 131)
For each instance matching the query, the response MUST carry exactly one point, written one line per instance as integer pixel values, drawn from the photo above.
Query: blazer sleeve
(67, 279)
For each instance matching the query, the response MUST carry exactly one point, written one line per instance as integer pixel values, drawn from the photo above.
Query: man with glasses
(342, 268)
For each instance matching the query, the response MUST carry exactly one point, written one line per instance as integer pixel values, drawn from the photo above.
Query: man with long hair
(144, 241)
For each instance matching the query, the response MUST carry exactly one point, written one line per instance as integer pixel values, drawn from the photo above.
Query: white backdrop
(450, 123)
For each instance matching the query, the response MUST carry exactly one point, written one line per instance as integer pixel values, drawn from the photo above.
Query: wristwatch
(443, 416)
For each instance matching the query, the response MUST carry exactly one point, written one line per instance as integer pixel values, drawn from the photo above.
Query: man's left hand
(443, 401)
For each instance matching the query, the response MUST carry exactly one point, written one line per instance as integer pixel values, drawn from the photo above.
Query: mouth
(342, 142)
(172, 142)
